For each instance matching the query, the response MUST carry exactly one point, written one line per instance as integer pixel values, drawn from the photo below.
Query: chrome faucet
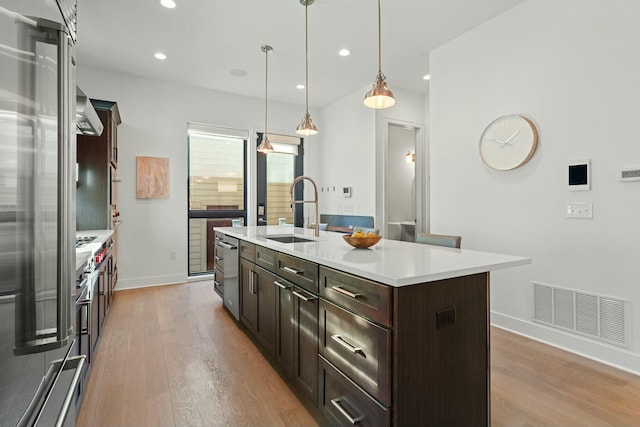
(295, 202)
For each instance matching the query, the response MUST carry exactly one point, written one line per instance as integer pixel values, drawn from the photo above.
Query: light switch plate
(579, 210)
(630, 174)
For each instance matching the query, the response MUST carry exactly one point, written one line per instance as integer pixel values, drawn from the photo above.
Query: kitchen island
(397, 334)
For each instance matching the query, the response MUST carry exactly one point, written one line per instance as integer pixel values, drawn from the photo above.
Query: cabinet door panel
(266, 292)
(249, 300)
(284, 325)
(305, 314)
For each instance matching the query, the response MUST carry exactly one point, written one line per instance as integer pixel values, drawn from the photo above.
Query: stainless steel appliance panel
(37, 222)
(231, 283)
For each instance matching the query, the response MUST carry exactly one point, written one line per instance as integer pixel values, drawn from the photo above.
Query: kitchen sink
(290, 239)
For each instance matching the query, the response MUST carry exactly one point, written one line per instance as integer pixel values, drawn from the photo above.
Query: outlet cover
(579, 210)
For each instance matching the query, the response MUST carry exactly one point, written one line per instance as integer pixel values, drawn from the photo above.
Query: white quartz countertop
(391, 262)
(82, 257)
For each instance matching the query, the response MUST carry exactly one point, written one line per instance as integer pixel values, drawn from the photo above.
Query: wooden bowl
(361, 242)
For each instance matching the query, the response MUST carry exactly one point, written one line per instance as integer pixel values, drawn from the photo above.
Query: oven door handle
(226, 245)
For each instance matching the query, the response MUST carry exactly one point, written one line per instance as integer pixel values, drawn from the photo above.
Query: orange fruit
(358, 234)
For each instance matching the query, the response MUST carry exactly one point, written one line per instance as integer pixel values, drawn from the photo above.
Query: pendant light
(306, 126)
(265, 146)
(379, 96)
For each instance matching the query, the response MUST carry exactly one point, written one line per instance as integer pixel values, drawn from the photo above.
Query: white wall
(154, 123)
(351, 151)
(345, 156)
(571, 66)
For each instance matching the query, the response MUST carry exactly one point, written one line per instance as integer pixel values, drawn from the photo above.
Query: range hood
(87, 120)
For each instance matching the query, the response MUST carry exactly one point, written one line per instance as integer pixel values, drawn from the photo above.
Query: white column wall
(572, 67)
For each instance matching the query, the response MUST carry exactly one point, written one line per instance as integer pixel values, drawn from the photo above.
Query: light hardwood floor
(172, 356)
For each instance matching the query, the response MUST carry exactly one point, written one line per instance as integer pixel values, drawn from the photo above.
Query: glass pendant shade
(306, 126)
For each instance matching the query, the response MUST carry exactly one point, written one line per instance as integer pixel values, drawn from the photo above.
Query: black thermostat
(579, 174)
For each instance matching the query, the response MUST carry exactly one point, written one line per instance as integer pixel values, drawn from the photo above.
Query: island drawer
(248, 251)
(359, 348)
(369, 299)
(266, 258)
(301, 272)
(345, 404)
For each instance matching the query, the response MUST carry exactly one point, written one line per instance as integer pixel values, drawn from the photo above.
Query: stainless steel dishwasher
(225, 277)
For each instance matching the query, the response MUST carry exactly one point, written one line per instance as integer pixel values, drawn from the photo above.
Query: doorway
(217, 189)
(402, 189)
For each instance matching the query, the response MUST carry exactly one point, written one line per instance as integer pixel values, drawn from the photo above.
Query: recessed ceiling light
(160, 55)
(299, 86)
(344, 52)
(238, 72)
(169, 4)
(427, 77)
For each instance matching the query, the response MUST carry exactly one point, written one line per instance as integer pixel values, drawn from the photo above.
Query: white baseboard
(600, 352)
(145, 282)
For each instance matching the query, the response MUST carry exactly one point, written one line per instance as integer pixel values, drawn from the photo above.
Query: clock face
(508, 142)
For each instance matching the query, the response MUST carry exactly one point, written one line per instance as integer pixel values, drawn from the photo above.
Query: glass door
(217, 190)
(275, 173)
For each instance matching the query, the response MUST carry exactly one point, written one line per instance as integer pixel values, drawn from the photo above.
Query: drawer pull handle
(351, 348)
(343, 291)
(338, 405)
(302, 297)
(217, 258)
(292, 270)
(280, 285)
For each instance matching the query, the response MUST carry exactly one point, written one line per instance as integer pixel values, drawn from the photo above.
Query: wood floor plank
(173, 356)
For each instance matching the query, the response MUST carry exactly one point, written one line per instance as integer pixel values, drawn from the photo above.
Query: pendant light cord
(379, 40)
(306, 49)
(266, 80)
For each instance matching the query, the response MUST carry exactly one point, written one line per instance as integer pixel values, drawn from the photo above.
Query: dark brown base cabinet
(297, 335)
(257, 303)
(366, 353)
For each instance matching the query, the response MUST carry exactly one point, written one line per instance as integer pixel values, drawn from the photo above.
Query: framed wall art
(152, 177)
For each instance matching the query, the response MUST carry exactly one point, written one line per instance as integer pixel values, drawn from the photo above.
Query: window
(275, 173)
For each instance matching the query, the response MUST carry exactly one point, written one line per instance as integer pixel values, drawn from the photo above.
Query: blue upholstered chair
(439, 240)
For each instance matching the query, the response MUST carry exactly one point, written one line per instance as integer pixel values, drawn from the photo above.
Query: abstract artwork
(152, 177)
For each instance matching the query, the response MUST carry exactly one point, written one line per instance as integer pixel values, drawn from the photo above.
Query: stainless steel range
(83, 241)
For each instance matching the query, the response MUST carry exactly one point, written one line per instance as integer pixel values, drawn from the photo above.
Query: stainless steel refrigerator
(39, 371)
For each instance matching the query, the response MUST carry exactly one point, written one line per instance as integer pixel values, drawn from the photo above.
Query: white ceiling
(205, 40)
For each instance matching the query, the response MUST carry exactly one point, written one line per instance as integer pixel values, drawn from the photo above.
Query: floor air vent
(595, 316)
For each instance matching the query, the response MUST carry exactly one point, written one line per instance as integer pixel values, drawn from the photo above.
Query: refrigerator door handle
(47, 387)
(29, 339)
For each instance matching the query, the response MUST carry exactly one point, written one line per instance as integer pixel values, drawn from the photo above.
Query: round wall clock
(508, 142)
